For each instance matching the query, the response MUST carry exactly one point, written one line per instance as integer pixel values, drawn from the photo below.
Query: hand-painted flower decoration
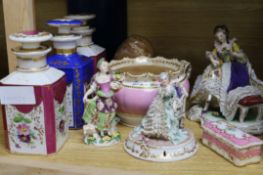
(23, 131)
(100, 105)
(62, 126)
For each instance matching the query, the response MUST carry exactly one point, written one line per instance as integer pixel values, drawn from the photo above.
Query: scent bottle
(86, 46)
(78, 70)
(37, 125)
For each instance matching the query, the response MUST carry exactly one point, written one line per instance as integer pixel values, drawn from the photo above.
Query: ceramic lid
(31, 56)
(64, 22)
(89, 51)
(30, 40)
(83, 17)
(83, 30)
(25, 53)
(65, 41)
(64, 25)
(86, 33)
(25, 37)
(65, 38)
(31, 47)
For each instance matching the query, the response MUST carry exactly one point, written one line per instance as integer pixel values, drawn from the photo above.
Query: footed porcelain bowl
(141, 81)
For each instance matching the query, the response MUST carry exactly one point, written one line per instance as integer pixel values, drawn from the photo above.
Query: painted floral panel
(26, 131)
(62, 123)
(69, 105)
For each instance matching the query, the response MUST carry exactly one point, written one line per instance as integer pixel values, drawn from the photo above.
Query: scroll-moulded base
(160, 150)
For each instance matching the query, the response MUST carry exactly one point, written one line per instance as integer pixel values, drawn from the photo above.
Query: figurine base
(251, 126)
(159, 150)
(104, 144)
(103, 141)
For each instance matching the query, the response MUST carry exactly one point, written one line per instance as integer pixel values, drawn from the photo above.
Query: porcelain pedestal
(161, 150)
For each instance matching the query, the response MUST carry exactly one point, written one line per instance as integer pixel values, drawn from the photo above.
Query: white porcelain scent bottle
(86, 46)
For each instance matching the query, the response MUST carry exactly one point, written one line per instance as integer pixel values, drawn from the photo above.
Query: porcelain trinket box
(232, 143)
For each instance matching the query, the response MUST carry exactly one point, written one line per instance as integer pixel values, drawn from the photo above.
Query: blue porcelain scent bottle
(78, 70)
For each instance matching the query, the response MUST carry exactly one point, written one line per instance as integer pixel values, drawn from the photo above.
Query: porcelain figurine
(160, 136)
(39, 128)
(86, 46)
(78, 70)
(100, 110)
(140, 81)
(232, 143)
(228, 88)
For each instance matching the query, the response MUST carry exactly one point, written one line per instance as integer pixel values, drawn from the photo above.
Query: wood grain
(180, 29)
(76, 157)
(11, 169)
(49, 9)
(3, 53)
(184, 29)
(19, 16)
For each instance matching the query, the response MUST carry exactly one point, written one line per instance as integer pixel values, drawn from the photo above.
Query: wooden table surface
(78, 158)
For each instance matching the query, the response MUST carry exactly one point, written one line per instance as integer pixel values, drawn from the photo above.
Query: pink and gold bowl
(140, 83)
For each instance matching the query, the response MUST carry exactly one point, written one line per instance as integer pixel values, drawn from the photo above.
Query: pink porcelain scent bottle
(37, 125)
(86, 47)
